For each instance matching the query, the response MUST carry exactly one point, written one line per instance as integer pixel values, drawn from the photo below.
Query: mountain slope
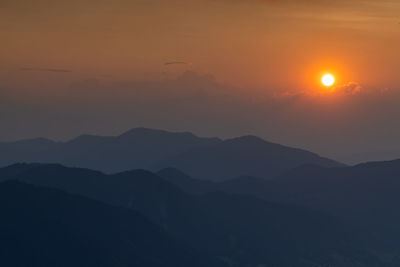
(365, 196)
(187, 183)
(46, 227)
(243, 230)
(244, 185)
(243, 156)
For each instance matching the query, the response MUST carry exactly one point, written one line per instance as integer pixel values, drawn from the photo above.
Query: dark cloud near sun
(350, 88)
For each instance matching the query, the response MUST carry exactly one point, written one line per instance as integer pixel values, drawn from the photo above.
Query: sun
(328, 80)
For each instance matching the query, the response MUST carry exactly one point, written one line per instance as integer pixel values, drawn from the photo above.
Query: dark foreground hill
(46, 228)
(208, 158)
(241, 230)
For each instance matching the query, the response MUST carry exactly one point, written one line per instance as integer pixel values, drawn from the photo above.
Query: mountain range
(155, 198)
(240, 230)
(365, 196)
(141, 148)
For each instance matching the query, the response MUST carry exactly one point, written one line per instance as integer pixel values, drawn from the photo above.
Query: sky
(215, 67)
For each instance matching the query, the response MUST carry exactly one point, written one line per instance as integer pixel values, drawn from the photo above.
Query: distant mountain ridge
(206, 158)
(137, 148)
(243, 156)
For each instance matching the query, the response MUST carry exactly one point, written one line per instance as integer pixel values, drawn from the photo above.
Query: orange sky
(259, 50)
(258, 43)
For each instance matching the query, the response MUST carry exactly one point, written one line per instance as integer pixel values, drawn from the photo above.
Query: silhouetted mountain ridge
(208, 158)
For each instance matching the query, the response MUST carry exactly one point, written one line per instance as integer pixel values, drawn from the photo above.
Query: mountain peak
(251, 141)
(174, 174)
(248, 139)
(172, 171)
(84, 138)
(141, 131)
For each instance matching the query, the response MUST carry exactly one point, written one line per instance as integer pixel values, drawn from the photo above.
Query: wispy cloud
(176, 63)
(348, 89)
(46, 70)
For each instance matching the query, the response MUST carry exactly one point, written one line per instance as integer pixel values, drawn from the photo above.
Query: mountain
(365, 196)
(141, 148)
(25, 150)
(137, 148)
(241, 230)
(46, 227)
(378, 154)
(243, 185)
(187, 183)
(243, 156)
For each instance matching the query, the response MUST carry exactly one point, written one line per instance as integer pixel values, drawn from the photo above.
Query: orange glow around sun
(323, 77)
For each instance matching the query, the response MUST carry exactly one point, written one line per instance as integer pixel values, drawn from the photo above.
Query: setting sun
(328, 80)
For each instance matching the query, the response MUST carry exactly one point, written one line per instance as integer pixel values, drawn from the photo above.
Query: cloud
(46, 70)
(176, 63)
(350, 88)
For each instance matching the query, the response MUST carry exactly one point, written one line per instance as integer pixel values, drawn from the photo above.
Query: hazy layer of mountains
(365, 196)
(203, 202)
(235, 229)
(204, 158)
